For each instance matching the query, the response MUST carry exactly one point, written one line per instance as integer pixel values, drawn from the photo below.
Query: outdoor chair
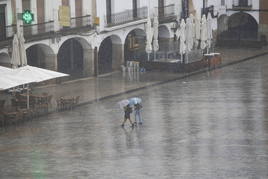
(42, 104)
(12, 117)
(67, 103)
(59, 104)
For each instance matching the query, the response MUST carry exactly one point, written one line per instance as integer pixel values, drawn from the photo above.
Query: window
(223, 2)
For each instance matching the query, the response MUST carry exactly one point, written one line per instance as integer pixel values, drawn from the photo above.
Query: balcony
(38, 31)
(166, 13)
(126, 16)
(46, 30)
(242, 4)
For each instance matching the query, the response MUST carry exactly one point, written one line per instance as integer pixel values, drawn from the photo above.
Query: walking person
(137, 113)
(128, 111)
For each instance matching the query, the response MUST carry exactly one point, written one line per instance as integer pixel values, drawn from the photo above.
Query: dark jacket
(128, 111)
(137, 107)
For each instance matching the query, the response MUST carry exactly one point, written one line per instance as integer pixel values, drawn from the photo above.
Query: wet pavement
(91, 89)
(211, 125)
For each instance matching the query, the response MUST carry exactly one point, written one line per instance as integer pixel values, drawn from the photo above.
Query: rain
(133, 89)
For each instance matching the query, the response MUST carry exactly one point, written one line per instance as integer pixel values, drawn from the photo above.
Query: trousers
(138, 116)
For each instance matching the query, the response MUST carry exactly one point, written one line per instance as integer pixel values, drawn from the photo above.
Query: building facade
(241, 22)
(84, 37)
(92, 37)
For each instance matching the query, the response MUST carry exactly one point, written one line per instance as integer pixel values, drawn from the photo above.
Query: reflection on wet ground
(213, 125)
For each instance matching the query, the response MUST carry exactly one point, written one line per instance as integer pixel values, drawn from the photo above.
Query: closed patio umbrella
(209, 31)
(180, 33)
(23, 57)
(15, 57)
(197, 31)
(149, 36)
(204, 32)
(189, 34)
(155, 28)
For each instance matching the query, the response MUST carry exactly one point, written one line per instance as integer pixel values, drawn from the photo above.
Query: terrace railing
(166, 13)
(242, 4)
(38, 29)
(126, 16)
(79, 22)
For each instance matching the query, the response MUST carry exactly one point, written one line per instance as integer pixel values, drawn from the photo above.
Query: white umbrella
(5, 70)
(189, 35)
(123, 103)
(37, 74)
(203, 32)
(149, 36)
(15, 57)
(197, 31)
(209, 30)
(8, 81)
(155, 42)
(23, 57)
(193, 27)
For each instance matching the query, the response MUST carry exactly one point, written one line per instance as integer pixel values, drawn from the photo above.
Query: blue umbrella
(134, 100)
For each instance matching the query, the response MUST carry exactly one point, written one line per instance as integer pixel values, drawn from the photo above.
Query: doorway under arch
(40, 55)
(241, 26)
(110, 54)
(134, 48)
(71, 58)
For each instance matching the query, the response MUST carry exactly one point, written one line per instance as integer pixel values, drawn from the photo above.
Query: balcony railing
(166, 13)
(38, 29)
(242, 4)
(46, 30)
(79, 22)
(126, 16)
(10, 30)
(82, 23)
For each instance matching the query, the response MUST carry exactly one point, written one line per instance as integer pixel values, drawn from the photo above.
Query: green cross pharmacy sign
(27, 17)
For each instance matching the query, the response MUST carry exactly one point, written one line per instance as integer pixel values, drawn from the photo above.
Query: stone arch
(42, 56)
(83, 42)
(134, 46)
(75, 57)
(164, 32)
(241, 26)
(110, 55)
(165, 38)
(5, 60)
(222, 23)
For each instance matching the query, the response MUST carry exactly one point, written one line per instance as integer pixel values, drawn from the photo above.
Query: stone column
(34, 11)
(96, 58)
(118, 56)
(51, 62)
(88, 62)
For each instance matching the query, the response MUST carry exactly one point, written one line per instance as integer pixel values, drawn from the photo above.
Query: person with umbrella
(136, 102)
(137, 113)
(127, 111)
